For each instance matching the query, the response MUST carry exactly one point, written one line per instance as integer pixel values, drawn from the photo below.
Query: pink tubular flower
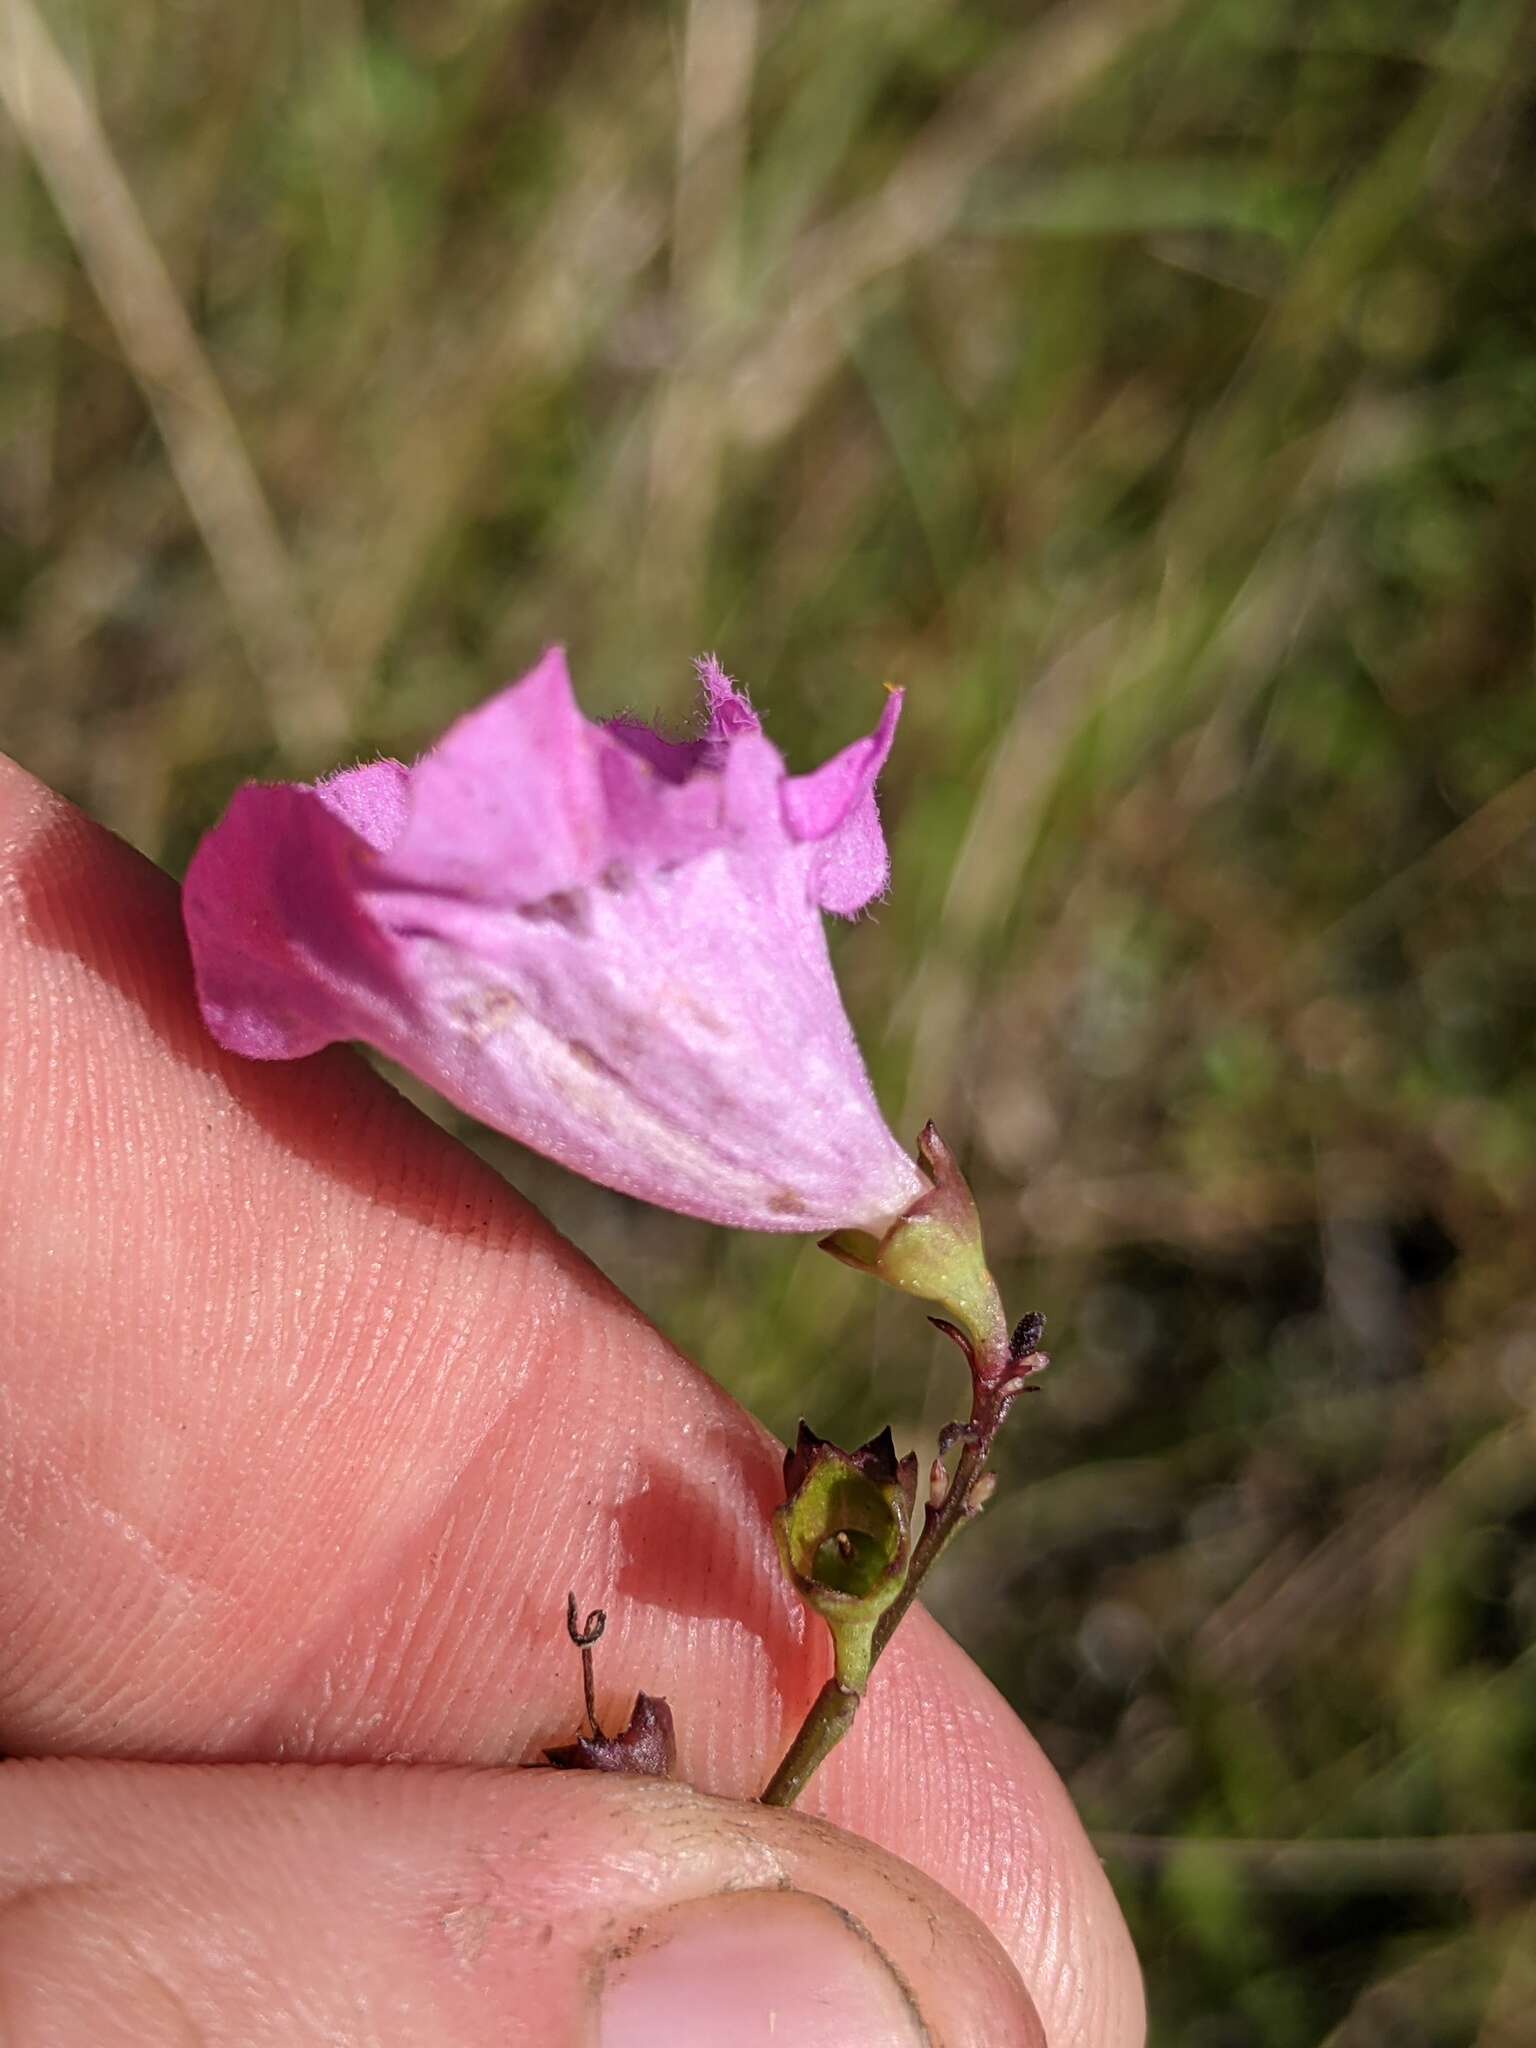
(604, 943)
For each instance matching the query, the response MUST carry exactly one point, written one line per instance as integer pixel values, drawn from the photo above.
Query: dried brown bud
(646, 1749)
(1027, 1332)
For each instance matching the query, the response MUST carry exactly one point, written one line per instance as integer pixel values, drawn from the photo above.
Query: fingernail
(755, 1970)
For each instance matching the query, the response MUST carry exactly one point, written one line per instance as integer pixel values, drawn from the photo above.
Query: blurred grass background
(1149, 387)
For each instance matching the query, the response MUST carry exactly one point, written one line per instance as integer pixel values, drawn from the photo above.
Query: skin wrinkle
(111, 1676)
(354, 1385)
(33, 1920)
(678, 1853)
(400, 1648)
(170, 1581)
(404, 1651)
(188, 2033)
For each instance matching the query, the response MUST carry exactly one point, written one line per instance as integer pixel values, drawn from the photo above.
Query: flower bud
(981, 1492)
(934, 1250)
(647, 1748)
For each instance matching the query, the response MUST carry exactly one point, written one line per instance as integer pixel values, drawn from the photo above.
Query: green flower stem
(823, 1728)
(939, 1524)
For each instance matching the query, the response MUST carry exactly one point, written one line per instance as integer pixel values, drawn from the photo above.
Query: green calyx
(843, 1535)
(934, 1250)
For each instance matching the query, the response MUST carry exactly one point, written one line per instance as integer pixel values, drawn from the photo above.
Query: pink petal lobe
(730, 716)
(371, 799)
(653, 819)
(834, 806)
(286, 957)
(508, 806)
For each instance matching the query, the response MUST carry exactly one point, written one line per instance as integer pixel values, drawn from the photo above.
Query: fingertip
(260, 1901)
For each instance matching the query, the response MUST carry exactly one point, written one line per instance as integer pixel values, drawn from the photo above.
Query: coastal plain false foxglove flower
(604, 943)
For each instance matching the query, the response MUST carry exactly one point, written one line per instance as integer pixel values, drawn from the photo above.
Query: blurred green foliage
(1149, 387)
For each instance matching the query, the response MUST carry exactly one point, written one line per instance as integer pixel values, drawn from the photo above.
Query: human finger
(144, 1904)
(311, 1423)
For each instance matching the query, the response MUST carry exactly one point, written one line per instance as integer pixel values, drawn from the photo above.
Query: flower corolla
(603, 942)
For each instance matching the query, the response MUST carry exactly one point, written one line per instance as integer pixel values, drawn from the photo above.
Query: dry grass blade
(1506, 2022)
(1414, 1863)
(1049, 715)
(594, 244)
(689, 432)
(75, 160)
(917, 205)
(1493, 829)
